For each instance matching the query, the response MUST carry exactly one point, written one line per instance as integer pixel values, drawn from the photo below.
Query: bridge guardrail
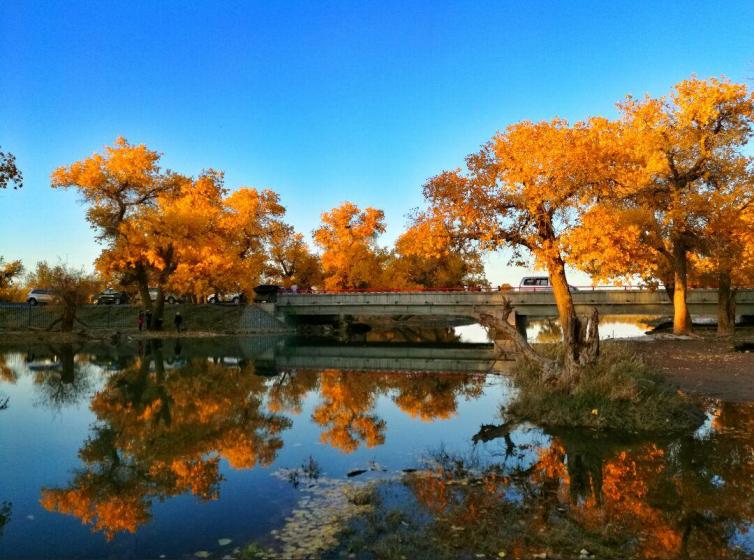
(514, 289)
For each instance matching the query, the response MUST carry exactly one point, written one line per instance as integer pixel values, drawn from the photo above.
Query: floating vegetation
(309, 470)
(326, 507)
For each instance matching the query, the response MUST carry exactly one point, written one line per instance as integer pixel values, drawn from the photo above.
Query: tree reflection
(344, 410)
(166, 420)
(162, 432)
(348, 399)
(62, 378)
(687, 498)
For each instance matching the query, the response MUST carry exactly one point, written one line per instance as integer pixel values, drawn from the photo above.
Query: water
(172, 448)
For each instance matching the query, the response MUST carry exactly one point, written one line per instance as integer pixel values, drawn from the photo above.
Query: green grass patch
(619, 392)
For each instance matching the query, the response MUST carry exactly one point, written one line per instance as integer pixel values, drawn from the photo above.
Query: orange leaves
(114, 183)
(122, 512)
(168, 229)
(351, 258)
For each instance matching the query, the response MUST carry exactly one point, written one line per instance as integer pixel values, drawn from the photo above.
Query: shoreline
(702, 364)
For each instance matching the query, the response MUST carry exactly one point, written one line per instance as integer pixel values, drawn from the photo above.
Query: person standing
(141, 320)
(178, 321)
(149, 320)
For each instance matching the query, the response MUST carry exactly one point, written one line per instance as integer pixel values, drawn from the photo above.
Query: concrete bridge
(610, 301)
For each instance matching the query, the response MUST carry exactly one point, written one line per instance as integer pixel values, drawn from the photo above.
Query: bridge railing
(514, 289)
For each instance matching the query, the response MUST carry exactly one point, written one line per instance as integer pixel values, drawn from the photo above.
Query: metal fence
(18, 317)
(24, 316)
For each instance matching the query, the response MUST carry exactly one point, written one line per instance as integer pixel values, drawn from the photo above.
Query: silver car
(234, 298)
(38, 296)
(168, 297)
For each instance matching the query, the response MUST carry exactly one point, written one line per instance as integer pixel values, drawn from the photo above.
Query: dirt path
(705, 366)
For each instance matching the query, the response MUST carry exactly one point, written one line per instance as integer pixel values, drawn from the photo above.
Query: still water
(268, 447)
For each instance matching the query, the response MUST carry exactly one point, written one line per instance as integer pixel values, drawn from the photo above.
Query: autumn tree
(290, 260)
(251, 219)
(348, 238)
(116, 185)
(726, 252)
(430, 254)
(152, 242)
(9, 171)
(524, 190)
(687, 148)
(10, 274)
(73, 287)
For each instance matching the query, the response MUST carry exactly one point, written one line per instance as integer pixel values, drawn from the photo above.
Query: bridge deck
(531, 304)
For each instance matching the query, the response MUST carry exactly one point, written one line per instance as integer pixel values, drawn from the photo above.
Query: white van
(538, 284)
(535, 284)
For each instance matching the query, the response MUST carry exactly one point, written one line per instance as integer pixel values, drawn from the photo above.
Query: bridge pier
(519, 321)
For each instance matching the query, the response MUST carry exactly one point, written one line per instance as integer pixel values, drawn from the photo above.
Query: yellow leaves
(351, 258)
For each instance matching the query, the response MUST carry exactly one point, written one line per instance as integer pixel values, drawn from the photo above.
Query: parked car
(538, 284)
(38, 296)
(169, 297)
(111, 297)
(236, 298)
(266, 293)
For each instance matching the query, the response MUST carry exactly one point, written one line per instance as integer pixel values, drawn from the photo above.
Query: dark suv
(266, 293)
(111, 297)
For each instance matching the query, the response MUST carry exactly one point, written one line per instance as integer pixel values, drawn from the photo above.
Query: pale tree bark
(585, 337)
(580, 335)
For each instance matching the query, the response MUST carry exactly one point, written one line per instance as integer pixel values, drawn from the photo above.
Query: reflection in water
(172, 418)
(161, 432)
(611, 326)
(347, 402)
(686, 498)
(164, 425)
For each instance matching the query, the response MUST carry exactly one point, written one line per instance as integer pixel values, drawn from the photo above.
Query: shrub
(618, 392)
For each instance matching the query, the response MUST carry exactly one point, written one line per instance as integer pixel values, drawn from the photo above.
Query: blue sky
(321, 101)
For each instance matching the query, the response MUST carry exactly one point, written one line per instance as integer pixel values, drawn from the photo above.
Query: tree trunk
(580, 337)
(681, 317)
(143, 282)
(501, 325)
(158, 309)
(726, 305)
(668, 283)
(159, 304)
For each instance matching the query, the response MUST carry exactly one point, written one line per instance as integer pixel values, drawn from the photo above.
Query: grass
(619, 392)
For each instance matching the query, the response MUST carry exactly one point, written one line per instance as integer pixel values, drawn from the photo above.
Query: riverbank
(704, 365)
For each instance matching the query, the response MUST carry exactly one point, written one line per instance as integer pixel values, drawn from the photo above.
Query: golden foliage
(348, 239)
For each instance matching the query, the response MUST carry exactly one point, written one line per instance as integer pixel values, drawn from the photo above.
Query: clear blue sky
(321, 101)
